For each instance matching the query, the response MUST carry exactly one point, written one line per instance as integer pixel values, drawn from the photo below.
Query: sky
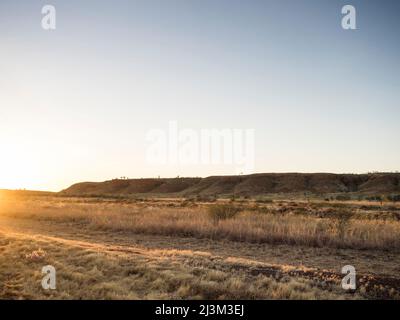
(77, 103)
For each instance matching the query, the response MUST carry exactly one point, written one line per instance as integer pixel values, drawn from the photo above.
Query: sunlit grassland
(284, 224)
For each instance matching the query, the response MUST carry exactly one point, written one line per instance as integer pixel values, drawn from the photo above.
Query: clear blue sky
(76, 102)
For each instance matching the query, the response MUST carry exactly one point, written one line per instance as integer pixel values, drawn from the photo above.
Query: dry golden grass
(99, 274)
(92, 263)
(250, 225)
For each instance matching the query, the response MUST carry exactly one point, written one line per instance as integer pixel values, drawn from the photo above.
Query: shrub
(264, 201)
(343, 197)
(222, 212)
(394, 198)
(342, 223)
(206, 198)
(374, 198)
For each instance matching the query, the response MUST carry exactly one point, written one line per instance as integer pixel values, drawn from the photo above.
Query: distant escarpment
(245, 185)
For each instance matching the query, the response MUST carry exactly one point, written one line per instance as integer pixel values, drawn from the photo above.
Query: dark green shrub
(206, 198)
(374, 198)
(343, 197)
(264, 201)
(394, 197)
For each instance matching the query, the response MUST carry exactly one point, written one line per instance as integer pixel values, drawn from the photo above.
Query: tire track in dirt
(374, 285)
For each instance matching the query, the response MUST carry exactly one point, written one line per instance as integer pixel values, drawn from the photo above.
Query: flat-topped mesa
(246, 185)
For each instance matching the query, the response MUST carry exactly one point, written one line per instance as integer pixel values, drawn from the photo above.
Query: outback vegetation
(143, 248)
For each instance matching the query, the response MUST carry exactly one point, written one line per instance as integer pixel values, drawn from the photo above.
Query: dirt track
(375, 269)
